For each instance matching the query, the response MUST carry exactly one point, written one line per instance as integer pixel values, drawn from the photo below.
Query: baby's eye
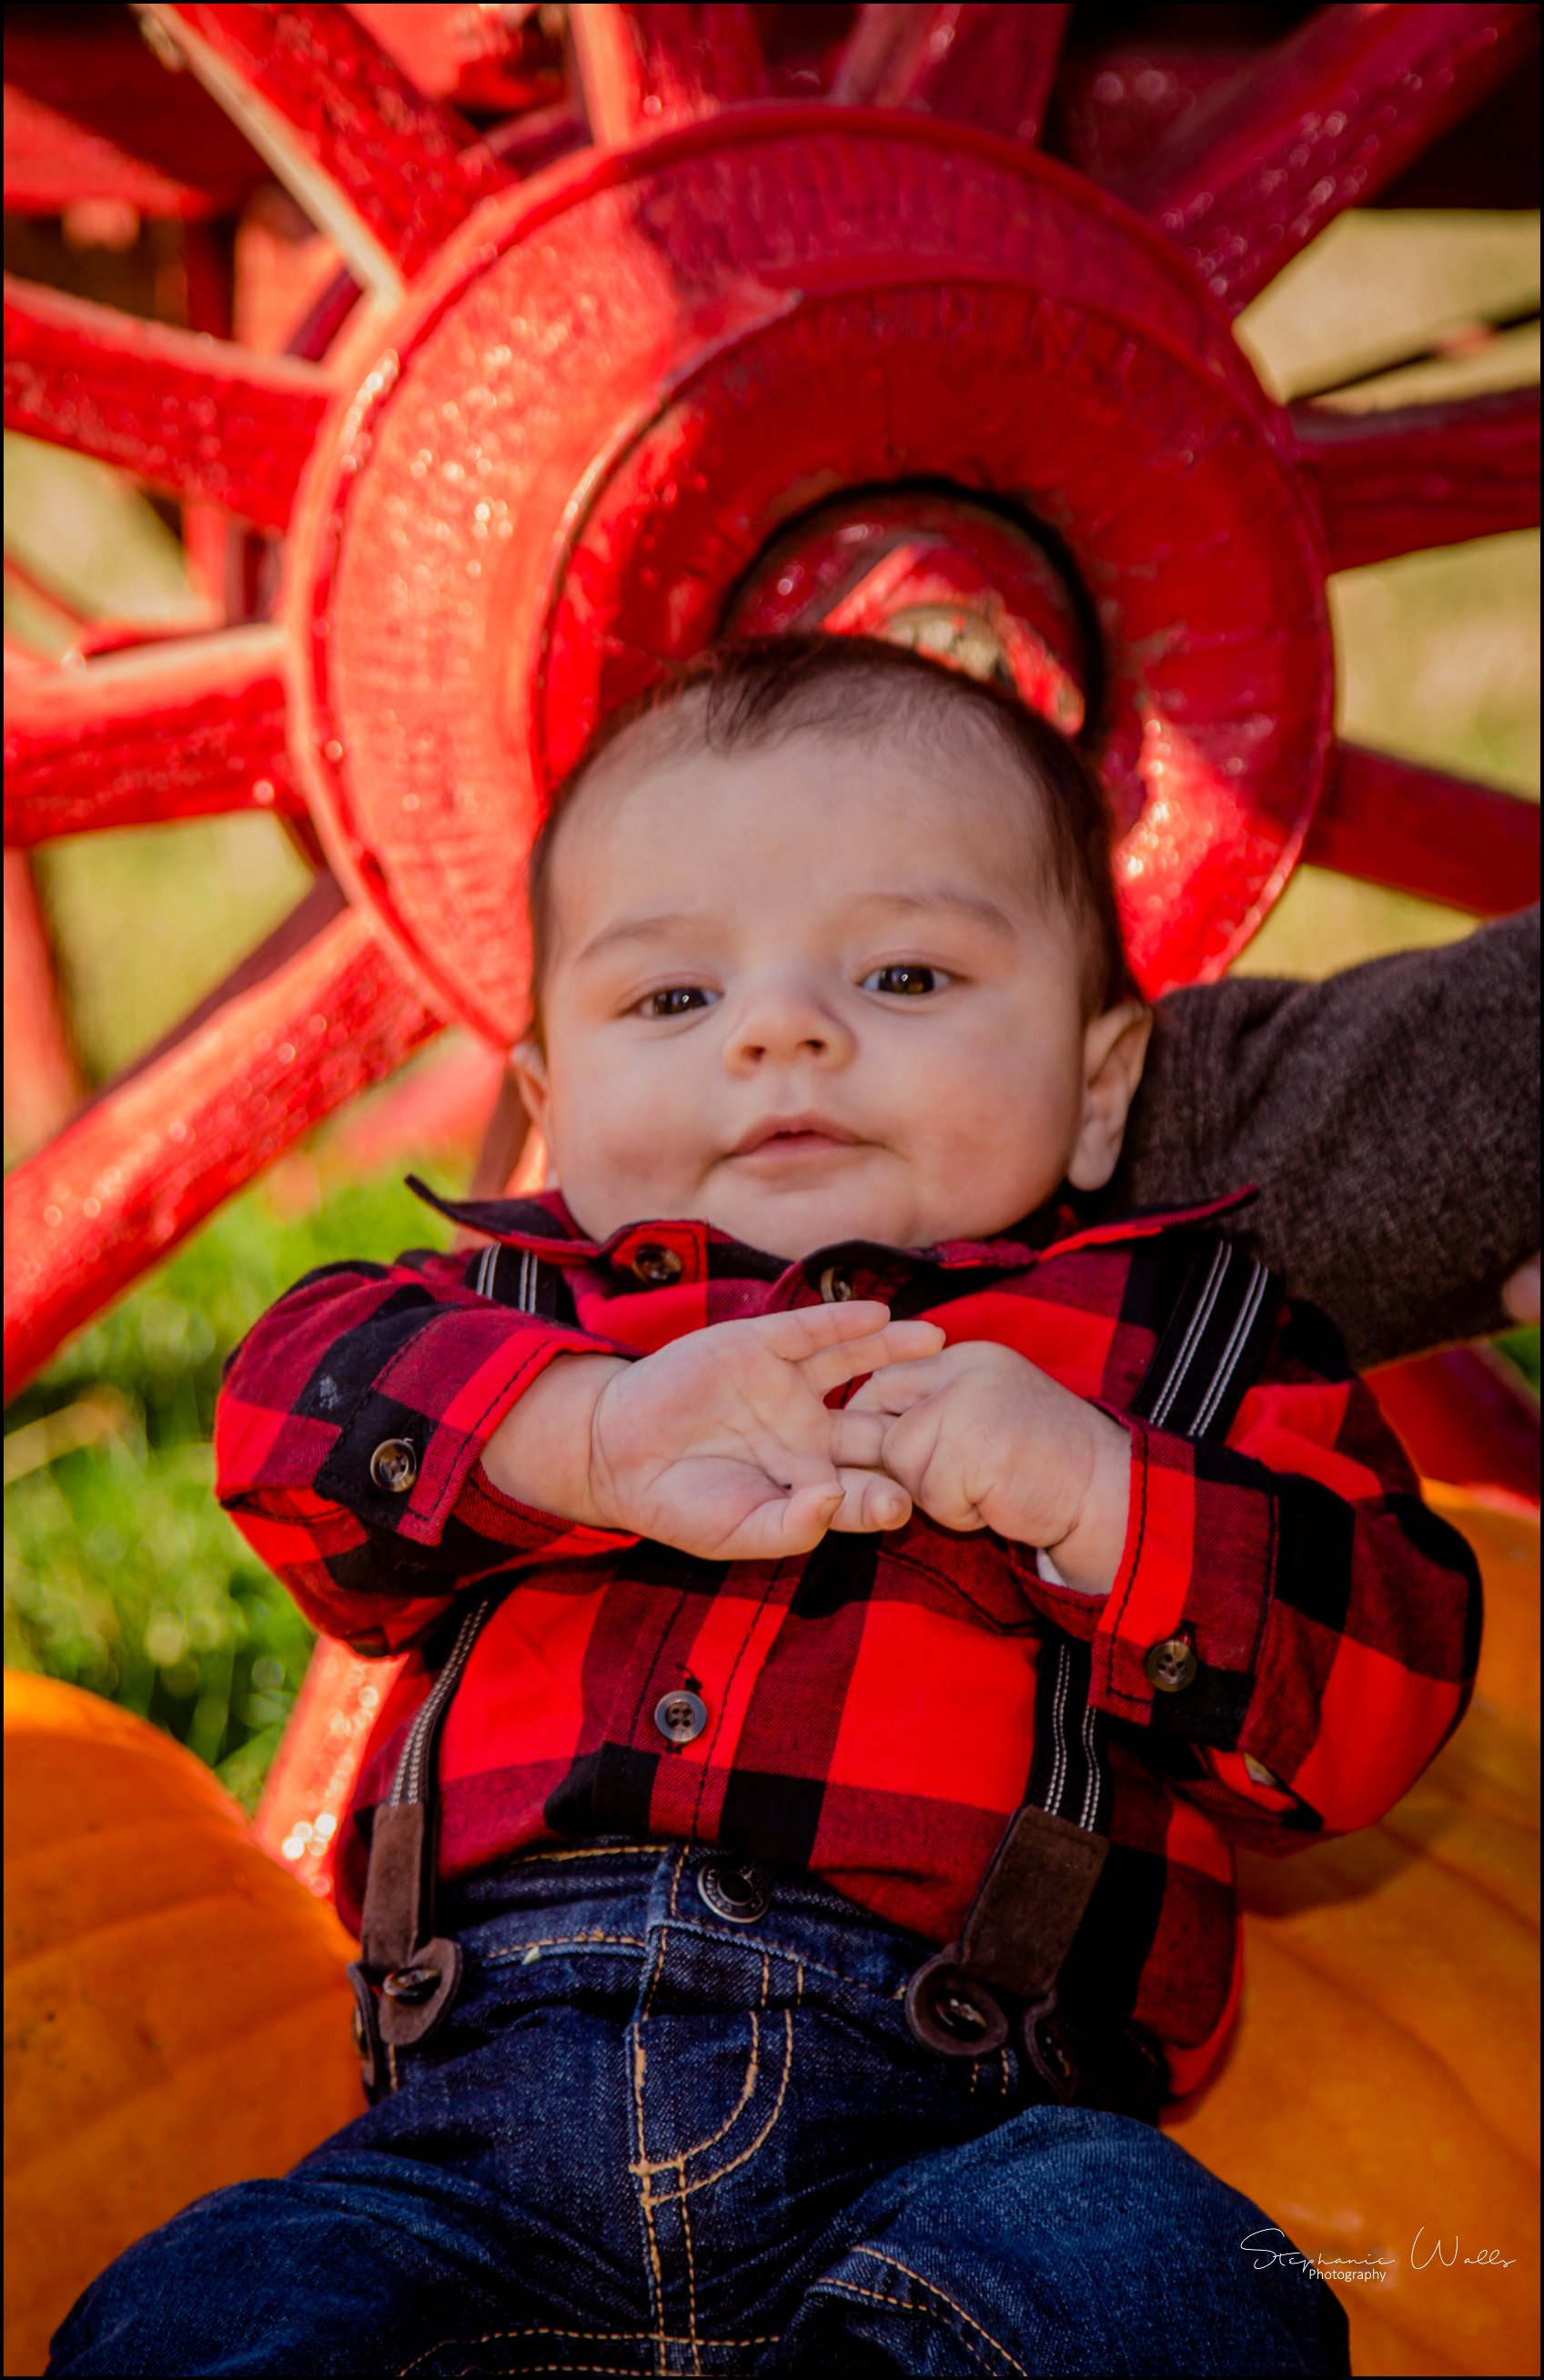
(676, 999)
(908, 979)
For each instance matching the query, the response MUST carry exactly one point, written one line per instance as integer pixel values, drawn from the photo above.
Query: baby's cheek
(635, 1137)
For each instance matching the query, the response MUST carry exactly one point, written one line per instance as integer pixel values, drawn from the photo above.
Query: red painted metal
(991, 66)
(1422, 475)
(123, 1184)
(90, 113)
(1117, 102)
(310, 1780)
(387, 170)
(990, 321)
(641, 68)
(43, 1084)
(600, 426)
(187, 413)
(949, 579)
(1343, 103)
(178, 729)
(1422, 830)
(1465, 1417)
(497, 58)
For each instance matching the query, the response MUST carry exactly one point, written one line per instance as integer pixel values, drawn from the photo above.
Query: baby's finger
(898, 1387)
(899, 1343)
(780, 1526)
(871, 1501)
(806, 1329)
(857, 1441)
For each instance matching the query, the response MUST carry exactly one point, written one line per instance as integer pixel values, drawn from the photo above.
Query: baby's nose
(786, 1019)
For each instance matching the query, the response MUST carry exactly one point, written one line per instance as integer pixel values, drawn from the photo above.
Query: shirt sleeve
(1369, 1111)
(348, 1437)
(1292, 1629)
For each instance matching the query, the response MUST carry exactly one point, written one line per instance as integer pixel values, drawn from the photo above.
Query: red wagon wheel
(732, 357)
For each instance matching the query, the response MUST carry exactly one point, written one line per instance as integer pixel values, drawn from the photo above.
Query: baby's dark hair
(748, 695)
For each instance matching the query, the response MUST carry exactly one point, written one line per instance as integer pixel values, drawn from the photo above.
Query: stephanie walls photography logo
(1270, 2245)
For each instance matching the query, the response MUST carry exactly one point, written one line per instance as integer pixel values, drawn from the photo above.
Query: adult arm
(1389, 1117)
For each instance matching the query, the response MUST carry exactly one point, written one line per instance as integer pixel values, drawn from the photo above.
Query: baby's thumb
(807, 1513)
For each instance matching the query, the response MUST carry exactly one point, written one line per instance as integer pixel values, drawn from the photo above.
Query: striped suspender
(406, 1976)
(1021, 1925)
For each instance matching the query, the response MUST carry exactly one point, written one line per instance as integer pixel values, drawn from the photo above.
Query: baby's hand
(721, 1442)
(980, 1438)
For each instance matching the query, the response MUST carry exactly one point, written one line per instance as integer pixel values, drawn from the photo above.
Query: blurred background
(120, 1573)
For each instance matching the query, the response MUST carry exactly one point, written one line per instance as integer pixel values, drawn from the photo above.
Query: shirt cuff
(1175, 1642)
(402, 1459)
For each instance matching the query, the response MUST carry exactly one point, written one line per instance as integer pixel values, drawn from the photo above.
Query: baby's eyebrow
(658, 924)
(978, 906)
(652, 926)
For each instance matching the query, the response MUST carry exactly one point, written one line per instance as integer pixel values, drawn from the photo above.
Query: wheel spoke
(157, 1153)
(641, 68)
(991, 66)
(1421, 830)
(192, 415)
(43, 1080)
(387, 173)
(57, 611)
(179, 730)
(1421, 475)
(1317, 125)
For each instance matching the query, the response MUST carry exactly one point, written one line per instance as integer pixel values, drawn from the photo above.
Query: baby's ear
(529, 1065)
(1114, 1052)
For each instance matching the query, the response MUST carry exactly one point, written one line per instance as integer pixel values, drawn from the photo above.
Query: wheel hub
(603, 429)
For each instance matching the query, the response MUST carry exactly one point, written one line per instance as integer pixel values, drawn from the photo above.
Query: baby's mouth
(780, 1140)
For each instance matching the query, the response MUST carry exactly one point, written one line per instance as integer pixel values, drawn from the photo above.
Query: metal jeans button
(409, 1985)
(951, 2013)
(735, 1891)
(681, 1716)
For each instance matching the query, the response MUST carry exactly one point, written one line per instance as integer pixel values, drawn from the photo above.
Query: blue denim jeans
(652, 2138)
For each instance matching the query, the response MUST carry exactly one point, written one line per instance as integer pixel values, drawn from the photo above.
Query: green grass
(122, 1573)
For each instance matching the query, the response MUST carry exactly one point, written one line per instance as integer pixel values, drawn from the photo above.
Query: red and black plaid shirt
(872, 1705)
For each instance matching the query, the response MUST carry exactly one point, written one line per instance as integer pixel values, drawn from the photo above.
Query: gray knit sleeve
(1389, 1117)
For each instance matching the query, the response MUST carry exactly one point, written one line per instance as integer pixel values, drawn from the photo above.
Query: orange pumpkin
(182, 2020)
(176, 2011)
(1381, 2098)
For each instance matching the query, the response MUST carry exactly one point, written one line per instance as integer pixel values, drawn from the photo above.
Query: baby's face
(816, 993)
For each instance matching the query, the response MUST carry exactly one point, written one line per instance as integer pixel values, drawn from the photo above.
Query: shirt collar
(542, 1224)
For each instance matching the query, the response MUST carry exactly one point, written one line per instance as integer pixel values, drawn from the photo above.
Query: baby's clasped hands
(721, 1444)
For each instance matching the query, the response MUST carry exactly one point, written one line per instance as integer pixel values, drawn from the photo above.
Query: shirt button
(656, 1265)
(680, 1717)
(836, 1285)
(1171, 1665)
(394, 1465)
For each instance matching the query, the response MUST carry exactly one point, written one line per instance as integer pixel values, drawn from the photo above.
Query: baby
(857, 1601)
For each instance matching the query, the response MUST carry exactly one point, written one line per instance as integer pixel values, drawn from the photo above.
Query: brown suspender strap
(407, 1976)
(1032, 1901)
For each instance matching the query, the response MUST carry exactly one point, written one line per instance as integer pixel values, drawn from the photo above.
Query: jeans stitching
(756, 2146)
(897, 2306)
(691, 2279)
(703, 1933)
(551, 2330)
(646, 2204)
(521, 1951)
(895, 2265)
